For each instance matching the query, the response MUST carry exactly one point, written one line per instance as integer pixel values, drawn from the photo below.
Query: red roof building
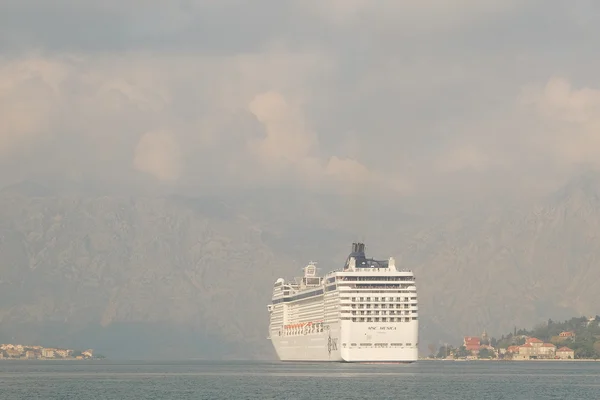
(513, 349)
(472, 343)
(565, 353)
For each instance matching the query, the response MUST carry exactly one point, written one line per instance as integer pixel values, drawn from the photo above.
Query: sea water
(277, 380)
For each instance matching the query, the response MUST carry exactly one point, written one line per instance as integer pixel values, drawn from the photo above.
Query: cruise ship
(364, 312)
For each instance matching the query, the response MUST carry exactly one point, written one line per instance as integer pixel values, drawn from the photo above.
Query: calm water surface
(274, 380)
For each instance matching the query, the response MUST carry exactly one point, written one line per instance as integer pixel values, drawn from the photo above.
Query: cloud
(158, 154)
(28, 102)
(290, 149)
(415, 97)
(411, 15)
(348, 170)
(111, 115)
(466, 156)
(570, 118)
(558, 100)
(288, 139)
(195, 26)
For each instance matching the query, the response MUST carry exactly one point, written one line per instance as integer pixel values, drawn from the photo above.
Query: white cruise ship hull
(352, 343)
(309, 347)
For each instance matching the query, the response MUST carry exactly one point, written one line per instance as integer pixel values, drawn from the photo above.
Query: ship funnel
(358, 247)
(358, 254)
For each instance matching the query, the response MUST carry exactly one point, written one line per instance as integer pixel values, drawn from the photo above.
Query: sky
(421, 99)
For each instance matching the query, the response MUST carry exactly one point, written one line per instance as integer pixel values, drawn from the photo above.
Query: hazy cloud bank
(420, 97)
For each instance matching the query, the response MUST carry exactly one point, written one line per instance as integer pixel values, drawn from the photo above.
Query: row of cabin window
(380, 299)
(375, 278)
(369, 312)
(384, 319)
(382, 344)
(368, 306)
(360, 289)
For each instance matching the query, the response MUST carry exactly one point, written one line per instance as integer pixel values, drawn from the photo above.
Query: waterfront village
(24, 352)
(578, 338)
(532, 348)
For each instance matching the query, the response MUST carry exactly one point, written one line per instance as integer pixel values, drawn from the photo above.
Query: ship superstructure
(364, 312)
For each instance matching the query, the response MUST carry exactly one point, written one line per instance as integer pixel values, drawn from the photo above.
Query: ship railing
(370, 269)
(334, 271)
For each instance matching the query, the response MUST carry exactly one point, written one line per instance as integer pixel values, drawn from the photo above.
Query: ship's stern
(380, 342)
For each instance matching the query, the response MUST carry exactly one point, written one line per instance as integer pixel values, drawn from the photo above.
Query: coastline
(497, 360)
(49, 359)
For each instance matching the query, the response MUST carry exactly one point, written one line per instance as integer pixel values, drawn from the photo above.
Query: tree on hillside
(597, 348)
(584, 350)
(445, 351)
(594, 328)
(485, 354)
(462, 352)
(520, 341)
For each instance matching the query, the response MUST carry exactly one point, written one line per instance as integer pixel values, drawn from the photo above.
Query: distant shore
(497, 360)
(49, 359)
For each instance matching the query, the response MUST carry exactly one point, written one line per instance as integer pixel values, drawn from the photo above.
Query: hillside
(496, 269)
(190, 277)
(155, 277)
(140, 271)
(585, 340)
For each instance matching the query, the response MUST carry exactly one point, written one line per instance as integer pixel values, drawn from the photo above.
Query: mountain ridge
(177, 276)
(536, 262)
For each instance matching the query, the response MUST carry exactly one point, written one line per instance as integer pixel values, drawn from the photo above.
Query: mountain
(495, 269)
(166, 277)
(183, 277)
(121, 272)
